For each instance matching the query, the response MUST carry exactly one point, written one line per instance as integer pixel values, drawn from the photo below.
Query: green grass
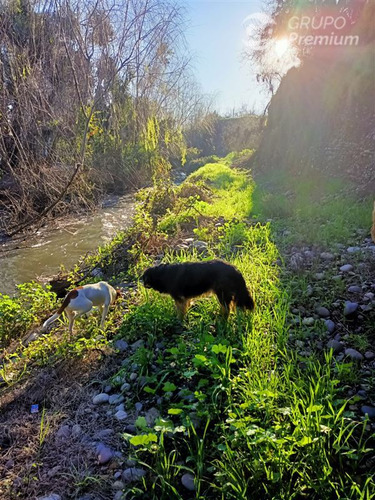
(313, 208)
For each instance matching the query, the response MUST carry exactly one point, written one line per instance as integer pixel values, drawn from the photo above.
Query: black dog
(191, 279)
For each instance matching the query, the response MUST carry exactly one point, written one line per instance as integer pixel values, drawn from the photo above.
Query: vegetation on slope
(236, 407)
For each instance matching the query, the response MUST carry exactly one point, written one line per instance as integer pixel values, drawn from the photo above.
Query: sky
(215, 34)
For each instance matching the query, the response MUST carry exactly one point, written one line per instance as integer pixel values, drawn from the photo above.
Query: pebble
(346, 268)
(369, 410)
(188, 481)
(118, 495)
(369, 355)
(107, 388)
(353, 249)
(151, 415)
(133, 376)
(51, 496)
(330, 325)
(100, 398)
(137, 344)
(369, 296)
(121, 345)
(125, 387)
(354, 289)
(353, 354)
(308, 321)
(335, 345)
(323, 312)
(76, 430)
(105, 454)
(104, 434)
(132, 474)
(350, 308)
(64, 432)
(118, 485)
(327, 256)
(120, 407)
(121, 415)
(116, 399)
(319, 276)
(362, 394)
(138, 407)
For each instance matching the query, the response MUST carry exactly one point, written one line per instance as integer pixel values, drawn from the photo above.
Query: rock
(121, 415)
(121, 345)
(296, 262)
(118, 485)
(362, 394)
(151, 415)
(50, 496)
(138, 407)
(103, 434)
(369, 355)
(131, 429)
(369, 410)
(323, 312)
(327, 256)
(353, 249)
(125, 387)
(100, 398)
(319, 276)
(137, 344)
(76, 430)
(330, 325)
(188, 481)
(350, 308)
(335, 345)
(133, 376)
(337, 277)
(346, 268)
(132, 474)
(116, 399)
(105, 454)
(63, 433)
(120, 407)
(118, 495)
(353, 354)
(354, 289)
(368, 296)
(107, 388)
(308, 321)
(199, 244)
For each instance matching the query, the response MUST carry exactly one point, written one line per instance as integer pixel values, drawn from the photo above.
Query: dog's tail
(244, 299)
(71, 295)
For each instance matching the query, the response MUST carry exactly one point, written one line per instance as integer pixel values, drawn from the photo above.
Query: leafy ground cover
(258, 406)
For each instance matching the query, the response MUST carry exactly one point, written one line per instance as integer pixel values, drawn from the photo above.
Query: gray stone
(330, 325)
(118, 485)
(188, 481)
(350, 308)
(103, 434)
(199, 244)
(354, 289)
(353, 354)
(346, 268)
(323, 312)
(133, 376)
(369, 355)
(100, 398)
(362, 394)
(64, 432)
(308, 321)
(51, 496)
(151, 415)
(76, 430)
(121, 415)
(121, 345)
(369, 410)
(120, 407)
(125, 387)
(335, 345)
(353, 249)
(319, 276)
(118, 496)
(105, 454)
(327, 256)
(107, 388)
(116, 399)
(368, 296)
(137, 344)
(132, 474)
(138, 407)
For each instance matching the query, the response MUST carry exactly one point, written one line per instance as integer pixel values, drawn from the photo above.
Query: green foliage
(19, 313)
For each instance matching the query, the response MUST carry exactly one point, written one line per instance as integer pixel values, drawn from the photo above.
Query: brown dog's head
(118, 295)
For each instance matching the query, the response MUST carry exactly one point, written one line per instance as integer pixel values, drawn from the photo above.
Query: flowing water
(42, 254)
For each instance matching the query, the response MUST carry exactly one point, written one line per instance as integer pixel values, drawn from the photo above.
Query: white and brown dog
(82, 299)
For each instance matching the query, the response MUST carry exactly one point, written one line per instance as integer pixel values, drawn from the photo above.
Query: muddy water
(42, 255)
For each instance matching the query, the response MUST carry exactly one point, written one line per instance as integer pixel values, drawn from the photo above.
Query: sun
(282, 46)
(280, 55)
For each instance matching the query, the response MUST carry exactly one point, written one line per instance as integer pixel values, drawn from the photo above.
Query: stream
(41, 255)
